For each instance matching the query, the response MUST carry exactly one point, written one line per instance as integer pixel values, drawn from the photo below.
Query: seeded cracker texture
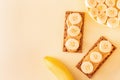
(99, 64)
(79, 50)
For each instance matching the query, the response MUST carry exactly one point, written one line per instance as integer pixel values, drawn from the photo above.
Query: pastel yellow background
(32, 29)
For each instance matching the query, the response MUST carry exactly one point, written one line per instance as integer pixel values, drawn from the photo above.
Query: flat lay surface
(32, 29)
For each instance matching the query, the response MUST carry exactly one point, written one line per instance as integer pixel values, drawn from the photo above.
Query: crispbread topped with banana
(73, 31)
(96, 56)
(104, 11)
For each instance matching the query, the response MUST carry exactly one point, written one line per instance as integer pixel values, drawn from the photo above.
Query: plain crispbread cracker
(94, 64)
(65, 31)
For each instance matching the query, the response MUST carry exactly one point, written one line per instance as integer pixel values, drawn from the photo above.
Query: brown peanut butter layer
(96, 56)
(73, 31)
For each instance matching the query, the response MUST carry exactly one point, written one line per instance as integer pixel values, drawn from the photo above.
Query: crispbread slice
(66, 37)
(96, 66)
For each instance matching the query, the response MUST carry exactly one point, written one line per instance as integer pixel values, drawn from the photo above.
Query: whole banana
(58, 68)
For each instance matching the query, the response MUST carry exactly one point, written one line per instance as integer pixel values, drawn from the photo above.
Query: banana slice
(75, 18)
(90, 3)
(73, 31)
(95, 57)
(110, 3)
(111, 12)
(105, 46)
(72, 44)
(101, 7)
(113, 22)
(100, 1)
(118, 4)
(101, 18)
(93, 12)
(87, 67)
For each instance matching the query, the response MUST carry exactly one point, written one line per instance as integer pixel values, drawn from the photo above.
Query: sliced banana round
(111, 12)
(73, 31)
(95, 57)
(93, 12)
(101, 18)
(110, 3)
(100, 1)
(90, 3)
(113, 22)
(105, 46)
(118, 4)
(75, 18)
(87, 67)
(72, 44)
(101, 7)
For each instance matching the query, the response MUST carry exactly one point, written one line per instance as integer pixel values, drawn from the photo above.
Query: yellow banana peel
(58, 68)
